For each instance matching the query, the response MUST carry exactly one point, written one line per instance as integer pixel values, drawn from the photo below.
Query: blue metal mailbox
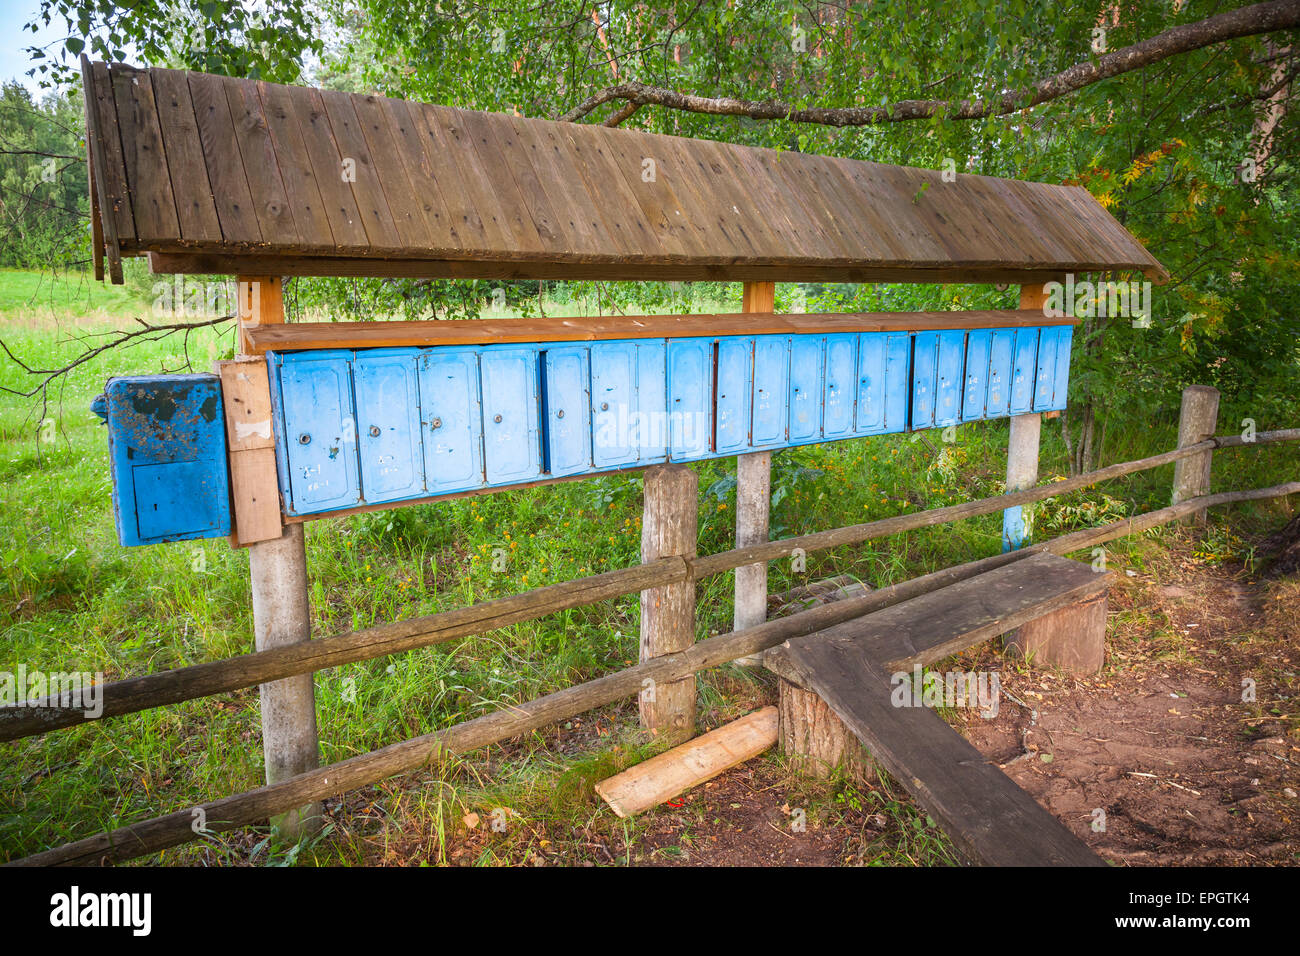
(566, 409)
(690, 393)
(838, 386)
(389, 442)
(733, 395)
(770, 421)
(807, 353)
(451, 419)
(511, 414)
(167, 452)
(316, 446)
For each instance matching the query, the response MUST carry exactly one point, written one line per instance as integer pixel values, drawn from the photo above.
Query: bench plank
(988, 817)
(931, 627)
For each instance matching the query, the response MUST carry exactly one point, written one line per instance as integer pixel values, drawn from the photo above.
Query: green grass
(72, 599)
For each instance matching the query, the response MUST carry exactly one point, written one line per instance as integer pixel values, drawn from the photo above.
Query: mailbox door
(770, 423)
(952, 352)
(320, 432)
(925, 378)
(1024, 360)
(806, 388)
(1049, 339)
(841, 374)
(614, 394)
(1002, 347)
(452, 419)
(388, 424)
(1064, 339)
(733, 404)
(511, 448)
(882, 382)
(567, 400)
(690, 381)
(975, 390)
(651, 401)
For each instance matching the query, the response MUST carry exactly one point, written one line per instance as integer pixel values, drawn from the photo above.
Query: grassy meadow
(72, 599)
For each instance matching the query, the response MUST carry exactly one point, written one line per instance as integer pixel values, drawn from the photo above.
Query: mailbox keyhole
(374, 431)
(304, 439)
(437, 423)
(560, 413)
(497, 419)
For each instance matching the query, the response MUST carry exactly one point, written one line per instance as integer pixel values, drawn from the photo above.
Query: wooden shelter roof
(207, 173)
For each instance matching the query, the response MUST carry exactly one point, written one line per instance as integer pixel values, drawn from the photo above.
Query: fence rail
(250, 670)
(140, 693)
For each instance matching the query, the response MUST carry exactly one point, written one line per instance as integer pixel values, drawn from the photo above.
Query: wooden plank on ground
(988, 817)
(664, 776)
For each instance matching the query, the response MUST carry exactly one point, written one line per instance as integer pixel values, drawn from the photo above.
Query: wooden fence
(679, 571)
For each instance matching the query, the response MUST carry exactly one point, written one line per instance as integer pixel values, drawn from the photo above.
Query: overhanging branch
(1253, 20)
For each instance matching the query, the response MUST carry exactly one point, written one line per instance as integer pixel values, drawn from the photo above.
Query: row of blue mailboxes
(380, 425)
(387, 424)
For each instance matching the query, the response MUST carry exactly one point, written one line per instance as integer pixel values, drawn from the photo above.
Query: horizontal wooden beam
(220, 263)
(299, 336)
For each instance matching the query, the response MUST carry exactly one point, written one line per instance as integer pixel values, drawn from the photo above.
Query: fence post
(1022, 452)
(281, 614)
(668, 612)
(753, 503)
(1196, 422)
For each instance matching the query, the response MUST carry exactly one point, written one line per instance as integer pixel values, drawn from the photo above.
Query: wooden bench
(842, 681)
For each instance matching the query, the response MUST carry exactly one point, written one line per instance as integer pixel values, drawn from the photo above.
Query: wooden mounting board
(299, 336)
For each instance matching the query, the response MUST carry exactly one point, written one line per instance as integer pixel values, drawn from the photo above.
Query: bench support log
(814, 739)
(1073, 638)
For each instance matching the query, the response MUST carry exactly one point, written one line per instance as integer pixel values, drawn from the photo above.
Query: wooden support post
(1196, 422)
(668, 612)
(277, 558)
(1073, 638)
(1022, 452)
(817, 742)
(281, 616)
(753, 502)
(261, 302)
